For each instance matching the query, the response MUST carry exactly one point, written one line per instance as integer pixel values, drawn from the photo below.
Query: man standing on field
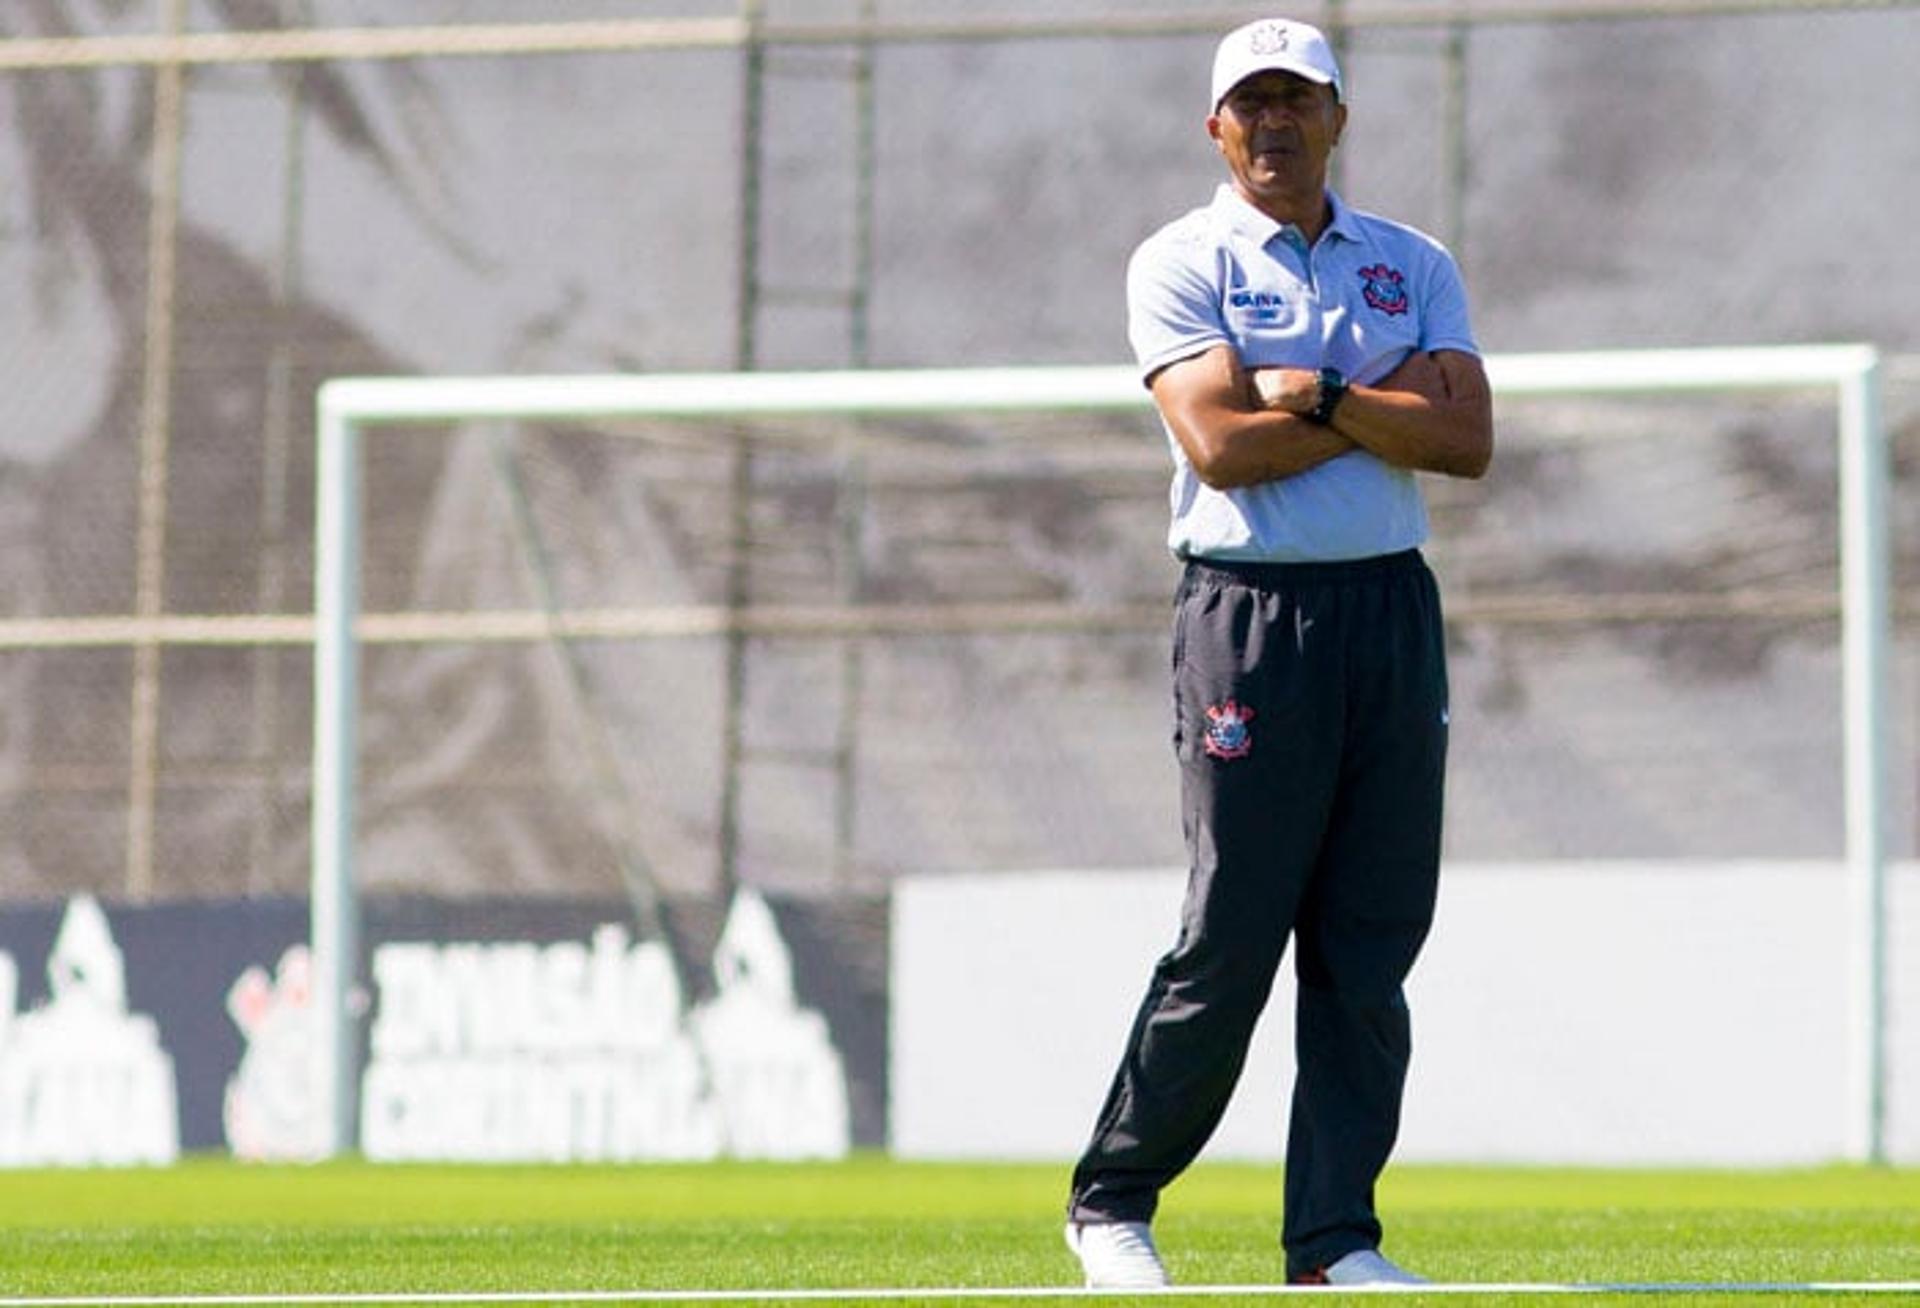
(1307, 360)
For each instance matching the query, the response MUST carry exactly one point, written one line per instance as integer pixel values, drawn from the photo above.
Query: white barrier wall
(1616, 1013)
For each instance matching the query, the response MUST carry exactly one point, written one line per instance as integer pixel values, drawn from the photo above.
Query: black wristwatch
(1333, 389)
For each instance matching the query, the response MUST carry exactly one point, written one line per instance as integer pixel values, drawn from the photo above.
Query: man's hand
(1288, 390)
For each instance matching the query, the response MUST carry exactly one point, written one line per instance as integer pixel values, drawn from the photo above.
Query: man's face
(1276, 132)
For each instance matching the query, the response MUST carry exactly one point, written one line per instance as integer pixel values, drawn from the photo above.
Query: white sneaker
(1117, 1255)
(1369, 1267)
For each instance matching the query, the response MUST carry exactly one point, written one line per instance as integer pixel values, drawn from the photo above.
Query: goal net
(811, 632)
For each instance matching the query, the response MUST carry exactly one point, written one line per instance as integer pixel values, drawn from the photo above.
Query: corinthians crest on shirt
(1228, 735)
(1385, 289)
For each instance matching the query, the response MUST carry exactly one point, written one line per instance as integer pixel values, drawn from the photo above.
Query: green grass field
(219, 1228)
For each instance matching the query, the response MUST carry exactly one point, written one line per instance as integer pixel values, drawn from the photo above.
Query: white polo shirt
(1367, 294)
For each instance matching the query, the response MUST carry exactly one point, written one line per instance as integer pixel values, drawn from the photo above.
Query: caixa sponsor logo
(1261, 306)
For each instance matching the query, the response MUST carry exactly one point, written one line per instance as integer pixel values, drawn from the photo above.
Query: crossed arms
(1434, 413)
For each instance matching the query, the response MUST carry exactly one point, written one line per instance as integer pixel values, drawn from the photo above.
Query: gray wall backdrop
(1673, 181)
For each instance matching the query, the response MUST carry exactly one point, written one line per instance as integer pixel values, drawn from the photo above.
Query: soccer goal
(843, 409)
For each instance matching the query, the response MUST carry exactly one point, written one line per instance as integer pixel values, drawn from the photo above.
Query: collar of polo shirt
(1241, 216)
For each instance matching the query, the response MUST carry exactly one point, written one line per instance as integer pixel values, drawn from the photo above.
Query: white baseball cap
(1273, 44)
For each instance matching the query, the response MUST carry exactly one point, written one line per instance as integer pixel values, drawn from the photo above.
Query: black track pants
(1311, 728)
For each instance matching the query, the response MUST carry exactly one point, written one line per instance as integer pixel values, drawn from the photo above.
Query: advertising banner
(491, 1031)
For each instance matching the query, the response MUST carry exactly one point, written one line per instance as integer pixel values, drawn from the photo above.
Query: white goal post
(347, 406)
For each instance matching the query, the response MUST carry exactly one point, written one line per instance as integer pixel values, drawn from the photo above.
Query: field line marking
(946, 1293)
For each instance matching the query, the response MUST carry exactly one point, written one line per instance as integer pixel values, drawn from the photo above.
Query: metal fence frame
(173, 51)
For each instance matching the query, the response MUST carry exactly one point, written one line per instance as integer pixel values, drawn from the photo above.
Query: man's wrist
(1333, 389)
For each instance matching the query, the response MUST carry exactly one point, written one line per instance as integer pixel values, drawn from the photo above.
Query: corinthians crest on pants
(1228, 735)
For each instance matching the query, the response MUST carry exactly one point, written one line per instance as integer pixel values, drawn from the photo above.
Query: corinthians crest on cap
(1268, 38)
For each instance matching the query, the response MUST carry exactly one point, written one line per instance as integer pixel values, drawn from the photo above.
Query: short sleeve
(1443, 316)
(1173, 309)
